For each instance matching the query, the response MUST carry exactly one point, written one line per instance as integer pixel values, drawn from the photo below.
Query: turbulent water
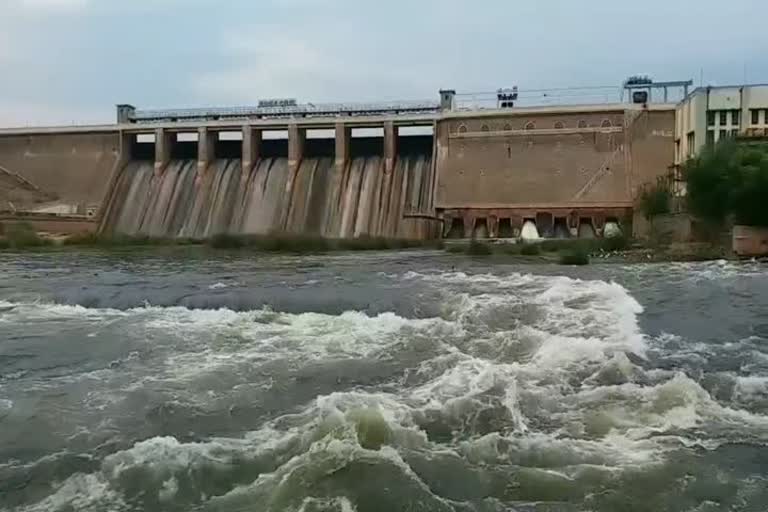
(360, 200)
(381, 382)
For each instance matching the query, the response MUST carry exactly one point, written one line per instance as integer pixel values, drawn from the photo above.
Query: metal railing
(541, 97)
(300, 110)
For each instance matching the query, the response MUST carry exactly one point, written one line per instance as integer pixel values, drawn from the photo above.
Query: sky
(71, 61)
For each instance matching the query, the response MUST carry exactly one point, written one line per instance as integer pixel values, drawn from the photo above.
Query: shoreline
(555, 252)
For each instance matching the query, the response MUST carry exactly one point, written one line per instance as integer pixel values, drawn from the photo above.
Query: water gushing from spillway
(319, 199)
(529, 231)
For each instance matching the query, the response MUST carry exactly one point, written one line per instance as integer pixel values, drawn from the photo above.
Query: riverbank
(562, 251)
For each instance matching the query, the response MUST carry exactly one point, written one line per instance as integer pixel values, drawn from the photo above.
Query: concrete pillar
(390, 146)
(492, 222)
(296, 138)
(163, 143)
(343, 135)
(251, 148)
(206, 141)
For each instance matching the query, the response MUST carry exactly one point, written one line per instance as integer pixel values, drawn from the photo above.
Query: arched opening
(456, 229)
(606, 123)
(485, 128)
(582, 123)
(505, 228)
(545, 224)
(561, 228)
(462, 128)
(481, 228)
(507, 127)
(530, 125)
(586, 229)
(559, 125)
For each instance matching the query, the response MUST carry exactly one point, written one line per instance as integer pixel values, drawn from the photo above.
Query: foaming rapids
(523, 389)
(317, 198)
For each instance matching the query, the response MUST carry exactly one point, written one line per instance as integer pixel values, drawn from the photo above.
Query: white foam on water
(268, 335)
(88, 493)
(33, 311)
(337, 504)
(576, 376)
(752, 387)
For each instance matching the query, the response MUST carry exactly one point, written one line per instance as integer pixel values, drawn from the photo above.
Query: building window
(606, 123)
(735, 117)
(765, 116)
(582, 124)
(755, 116)
(559, 125)
(723, 118)
(530, 125)
(710, 118)
(485, 128)
(710, 137)
(723, 134)
(462, 128)
(691, 143)
(734, 132)
(507, 127)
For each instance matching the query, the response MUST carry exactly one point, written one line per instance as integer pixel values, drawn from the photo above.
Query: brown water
(362, 199)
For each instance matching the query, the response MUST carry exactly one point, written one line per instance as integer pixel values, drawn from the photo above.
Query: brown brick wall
(480, 166)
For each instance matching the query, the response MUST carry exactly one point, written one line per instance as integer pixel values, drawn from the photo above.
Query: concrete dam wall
(56, 168)
(561, 171)
(318, 196)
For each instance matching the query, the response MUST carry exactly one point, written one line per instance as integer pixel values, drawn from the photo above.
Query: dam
(407, 170)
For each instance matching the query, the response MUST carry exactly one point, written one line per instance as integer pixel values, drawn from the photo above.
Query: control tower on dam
(421, 169)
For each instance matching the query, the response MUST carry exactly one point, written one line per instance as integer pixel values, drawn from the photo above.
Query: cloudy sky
(70, 61)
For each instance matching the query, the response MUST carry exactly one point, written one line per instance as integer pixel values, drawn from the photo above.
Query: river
(412, 381)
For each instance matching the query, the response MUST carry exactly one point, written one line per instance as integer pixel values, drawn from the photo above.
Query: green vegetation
(545, 250)
(21, 235)
(530, 250)
(614, 243)
(476, 248)
(308, 244)
(729, 180)
(278, 242)
(578, 255)
(287, 243)
(656, 200)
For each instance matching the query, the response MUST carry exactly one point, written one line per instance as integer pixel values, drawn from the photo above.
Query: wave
(544, 374)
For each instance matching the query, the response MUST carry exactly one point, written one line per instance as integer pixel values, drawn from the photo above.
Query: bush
(656, 200)
(476, 248)
(530, 250)
(226, 241)
(21, 235)
(118, 240)
(614, 243)
(575, 256)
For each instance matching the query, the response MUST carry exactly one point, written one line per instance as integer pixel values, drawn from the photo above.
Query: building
(710, 114)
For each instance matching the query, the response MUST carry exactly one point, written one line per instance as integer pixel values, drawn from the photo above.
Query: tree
(655, 200)
(729, 179)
